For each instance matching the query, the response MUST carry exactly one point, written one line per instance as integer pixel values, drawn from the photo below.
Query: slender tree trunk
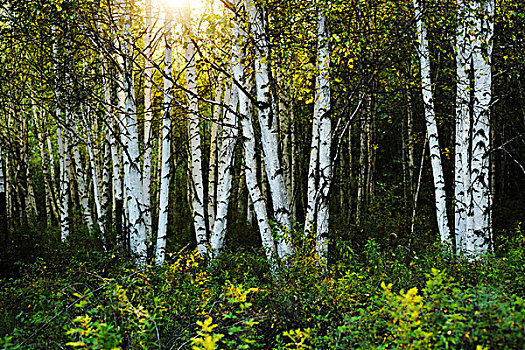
(81, 181)
(212, 177)
(95, 177)
(410, 143)
(325, 138)
(63, 147)
(361, 184)
(3, 203)
(162, 230)
(148, 117)
(197, 180)
(226, 155)
(432, 130)
(132, 173)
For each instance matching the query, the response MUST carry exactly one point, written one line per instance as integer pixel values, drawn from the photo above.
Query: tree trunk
(325, 138)
(162, 230)
(197, 180)
(212, 177)
(432, 130)
(268, 125)
(480, 168)
(148, 117)
(226, 155)
(3, 203)
(132, 173)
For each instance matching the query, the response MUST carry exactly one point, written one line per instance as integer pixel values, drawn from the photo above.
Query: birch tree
(268, 125)
(250, 160)
(473, 56)
(3, 200)
(228, 141)
(432, 131)
(166, 146)
(320, 168)
(132, 173)
(63, 147)
(148, 118)
(197, 180)
(480, 169)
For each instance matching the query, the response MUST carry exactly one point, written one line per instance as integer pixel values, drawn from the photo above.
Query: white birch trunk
(132, 173)
(95, 177)
(51, 211)
(212, 177)
(81, 181)
(148, 117)
(479, 242)
(196, 182)
(162, 231)
(250, 161)
(313, 173)
(432, 130)
(228, 141)
(462, 164)
(325, 138)
(267, 122)
(3, 201)
(53, 180)
(63, 147)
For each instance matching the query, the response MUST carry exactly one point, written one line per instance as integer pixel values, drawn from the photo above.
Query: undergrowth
(381, 297)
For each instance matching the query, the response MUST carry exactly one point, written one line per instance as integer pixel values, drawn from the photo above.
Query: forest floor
(373, 297)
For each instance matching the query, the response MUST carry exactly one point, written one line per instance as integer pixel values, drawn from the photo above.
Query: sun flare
(178, 4)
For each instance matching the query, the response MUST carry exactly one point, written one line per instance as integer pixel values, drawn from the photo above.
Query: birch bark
(81, 181)
(250, 160)
(268, 125)
(432, 131)
(132, 173)
(162, 231)
(228, 141)
(462, 164)
(197, 182)
(148, 117)
(325, 138)
(212, 177)
(63, 147)
(479, 242)
(3, 201)
(473, 56)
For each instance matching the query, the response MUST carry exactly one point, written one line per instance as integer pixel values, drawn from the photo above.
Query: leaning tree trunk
(432, 130)
(226, 155)
(268, 125)
(250, 160)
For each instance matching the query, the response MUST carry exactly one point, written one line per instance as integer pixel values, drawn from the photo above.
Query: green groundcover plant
(382, 298)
